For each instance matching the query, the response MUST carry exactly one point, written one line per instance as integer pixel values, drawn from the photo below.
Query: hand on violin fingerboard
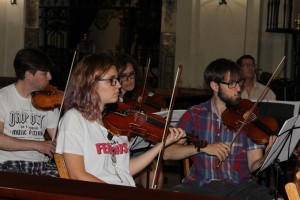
(175, 135)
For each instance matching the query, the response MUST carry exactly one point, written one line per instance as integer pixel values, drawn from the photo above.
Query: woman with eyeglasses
(127, 68)
(131, 93)
(90, 151)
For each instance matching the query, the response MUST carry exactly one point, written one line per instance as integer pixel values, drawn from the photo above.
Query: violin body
(258, 127)
(148, 126)
(47, 99)
(134, 123)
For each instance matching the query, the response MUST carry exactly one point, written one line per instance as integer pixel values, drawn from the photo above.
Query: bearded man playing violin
(219, 169)
(23, 148)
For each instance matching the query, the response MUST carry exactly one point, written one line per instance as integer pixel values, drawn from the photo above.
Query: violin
(149, 102)
(47, 99)
(258, 127)
(246, 117)
(133, 123)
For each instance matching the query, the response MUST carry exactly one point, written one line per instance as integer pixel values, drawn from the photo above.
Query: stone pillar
(32, 24)
(167, 44)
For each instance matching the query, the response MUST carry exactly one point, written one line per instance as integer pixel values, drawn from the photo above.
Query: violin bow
(144, 86)
(167, 125)
(63, 98)
(264, 92)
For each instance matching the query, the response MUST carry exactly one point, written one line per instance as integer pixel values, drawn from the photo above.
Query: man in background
(252, 89)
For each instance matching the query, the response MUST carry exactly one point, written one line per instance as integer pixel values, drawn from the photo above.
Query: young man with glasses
(252, 89)
(23, 148)
(219, 169)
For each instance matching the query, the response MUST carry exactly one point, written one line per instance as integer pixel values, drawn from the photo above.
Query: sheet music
(139, 142)
(285, 143)
(175, 116)
(294, 141)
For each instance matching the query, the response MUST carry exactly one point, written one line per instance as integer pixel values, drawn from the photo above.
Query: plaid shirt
(28, 167)
(203, 122)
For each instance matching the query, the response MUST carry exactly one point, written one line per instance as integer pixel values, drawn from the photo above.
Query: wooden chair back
(61, 167)
(186, 166)
(293, 188)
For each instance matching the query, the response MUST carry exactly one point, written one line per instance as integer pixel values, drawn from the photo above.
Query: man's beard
(226, 100)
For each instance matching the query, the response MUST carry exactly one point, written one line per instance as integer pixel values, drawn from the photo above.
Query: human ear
(28, 75)
(214, 86)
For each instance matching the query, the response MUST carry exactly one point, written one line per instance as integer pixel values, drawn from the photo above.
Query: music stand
(283, 147)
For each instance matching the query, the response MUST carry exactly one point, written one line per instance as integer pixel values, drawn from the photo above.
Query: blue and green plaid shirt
(203, 122)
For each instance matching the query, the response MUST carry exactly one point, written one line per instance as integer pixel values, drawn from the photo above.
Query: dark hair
(240, 60)
(121, 61)
(32, 60)
(81, 92)
(217, 70)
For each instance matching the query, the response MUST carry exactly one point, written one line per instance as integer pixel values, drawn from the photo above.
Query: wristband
(202, 144)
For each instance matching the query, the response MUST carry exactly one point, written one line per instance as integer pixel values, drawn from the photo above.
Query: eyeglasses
(249, 65)
(233, 84)
(124, 76)
(113, 81)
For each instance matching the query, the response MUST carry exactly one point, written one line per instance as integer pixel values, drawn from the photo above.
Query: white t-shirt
(79, 136)
(257, 90)
(22, 120)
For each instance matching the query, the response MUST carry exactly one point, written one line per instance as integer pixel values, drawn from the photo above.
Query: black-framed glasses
(124, 76)
(113, 80)
(233, 84)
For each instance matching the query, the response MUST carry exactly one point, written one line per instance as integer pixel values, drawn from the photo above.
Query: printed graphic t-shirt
(23, 121)
(104, 157)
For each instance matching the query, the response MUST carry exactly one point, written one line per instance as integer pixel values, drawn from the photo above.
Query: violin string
(145, 81)
(63, 98)
(169, 117)
(268, 83)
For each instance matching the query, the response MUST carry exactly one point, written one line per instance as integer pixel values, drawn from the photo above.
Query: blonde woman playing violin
(91, 153)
